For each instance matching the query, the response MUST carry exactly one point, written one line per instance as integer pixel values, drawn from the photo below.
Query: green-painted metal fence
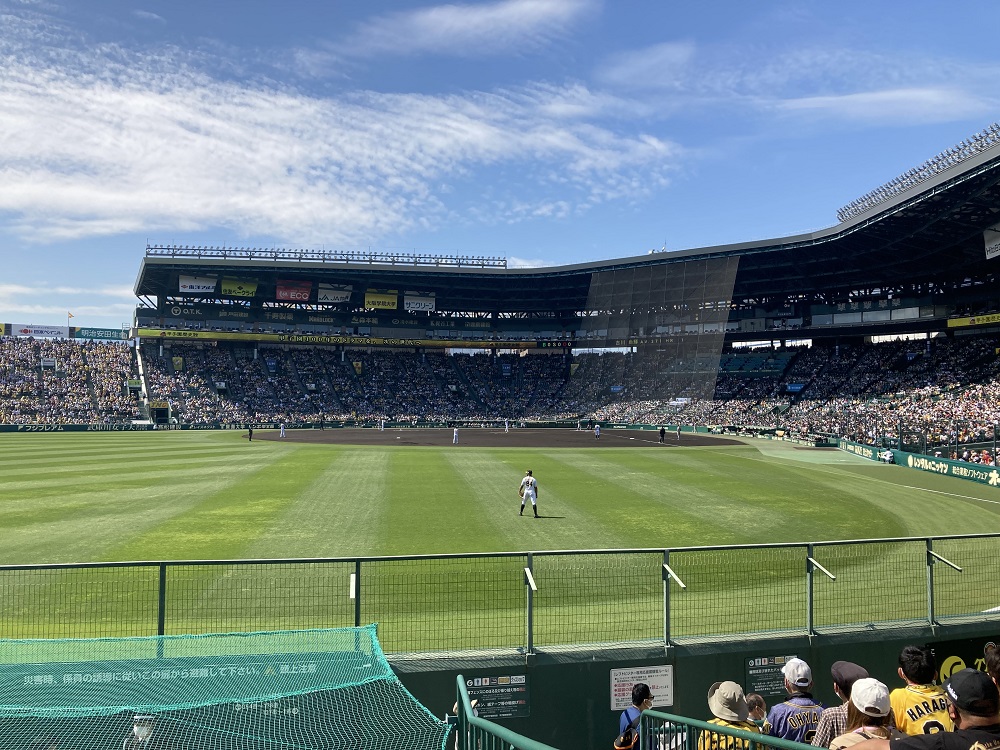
(474, 733)
(669, 732)
(521, 601)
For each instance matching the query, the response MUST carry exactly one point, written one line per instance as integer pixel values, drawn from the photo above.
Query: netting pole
(161, 610)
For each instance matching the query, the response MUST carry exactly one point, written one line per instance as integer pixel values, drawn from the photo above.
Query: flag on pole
(70, 315)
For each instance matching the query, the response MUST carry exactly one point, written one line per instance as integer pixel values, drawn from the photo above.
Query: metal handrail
(467, 720)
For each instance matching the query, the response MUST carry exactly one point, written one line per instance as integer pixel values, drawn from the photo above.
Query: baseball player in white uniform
(529, 491)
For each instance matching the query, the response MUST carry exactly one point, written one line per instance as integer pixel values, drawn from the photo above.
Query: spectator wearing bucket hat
(729, 707)
(797, 718)
(833, 720)
(868, 713)
(974, 708)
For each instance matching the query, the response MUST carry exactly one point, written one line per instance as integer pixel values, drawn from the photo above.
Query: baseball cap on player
(870, 697)
(797, 672)
(726, 701)
(973, 692)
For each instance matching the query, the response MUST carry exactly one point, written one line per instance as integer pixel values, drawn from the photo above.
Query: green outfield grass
(78, 497)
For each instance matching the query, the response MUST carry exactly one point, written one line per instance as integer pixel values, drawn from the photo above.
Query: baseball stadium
(281, 508)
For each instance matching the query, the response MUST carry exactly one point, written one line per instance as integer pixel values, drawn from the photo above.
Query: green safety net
(307, 689)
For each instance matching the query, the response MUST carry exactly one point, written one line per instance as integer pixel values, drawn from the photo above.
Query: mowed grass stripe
(225, 519)
(654, 504)
(493, 479)
(699, 497)
(110, 477)
(424, 498)
(339, 513)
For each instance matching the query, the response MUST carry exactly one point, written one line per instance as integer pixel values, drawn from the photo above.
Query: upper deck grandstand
(233, 335)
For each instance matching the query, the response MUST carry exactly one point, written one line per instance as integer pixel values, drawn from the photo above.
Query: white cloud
(464, 30)
(118, 142)
(146, 15)
(43, 304)
(843, 83)
(515, 262)
(892, 106)
(664, 65)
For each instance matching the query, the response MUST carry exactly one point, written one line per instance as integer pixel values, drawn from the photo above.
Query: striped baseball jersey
(920, 709)
(796, 718)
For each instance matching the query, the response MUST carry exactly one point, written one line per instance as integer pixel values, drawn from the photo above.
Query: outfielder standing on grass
(528, 490)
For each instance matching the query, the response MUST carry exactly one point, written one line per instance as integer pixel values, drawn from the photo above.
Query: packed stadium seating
(53, 381)
(940, 388)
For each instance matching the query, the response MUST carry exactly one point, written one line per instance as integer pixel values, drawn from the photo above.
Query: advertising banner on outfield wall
(196, 284)
(375, 300)
(333, 294)
(934, 464)
(75, 427)
(20, 329)
(294, 291)
(239, 287)
(418, 303)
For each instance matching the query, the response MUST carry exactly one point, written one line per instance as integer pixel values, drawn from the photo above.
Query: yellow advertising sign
(238, 287)
(978, 320)
(172, 334)
(381, 300)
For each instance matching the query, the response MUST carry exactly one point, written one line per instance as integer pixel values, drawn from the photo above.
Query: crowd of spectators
(58, 381)
(937, 395)
(915, 708)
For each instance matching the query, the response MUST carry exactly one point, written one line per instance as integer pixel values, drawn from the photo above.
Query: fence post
(357, 593)
(161, 609)
(529, 586)
(930, 583)
(809, 592)
(666, 598)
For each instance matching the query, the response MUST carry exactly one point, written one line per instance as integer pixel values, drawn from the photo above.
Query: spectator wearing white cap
(833, 720)
(797, 718)
(868, 714)
(974, 708)
(729, 706)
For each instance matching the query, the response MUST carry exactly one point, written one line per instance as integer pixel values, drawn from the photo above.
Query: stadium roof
(928, 237)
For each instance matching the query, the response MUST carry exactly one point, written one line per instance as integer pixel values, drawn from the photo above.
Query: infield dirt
(477, 437)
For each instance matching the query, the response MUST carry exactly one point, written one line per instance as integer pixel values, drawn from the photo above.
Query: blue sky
(545, 131)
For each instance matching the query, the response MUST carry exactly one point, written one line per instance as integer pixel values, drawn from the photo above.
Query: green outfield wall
(983, 474)
(567, 697)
